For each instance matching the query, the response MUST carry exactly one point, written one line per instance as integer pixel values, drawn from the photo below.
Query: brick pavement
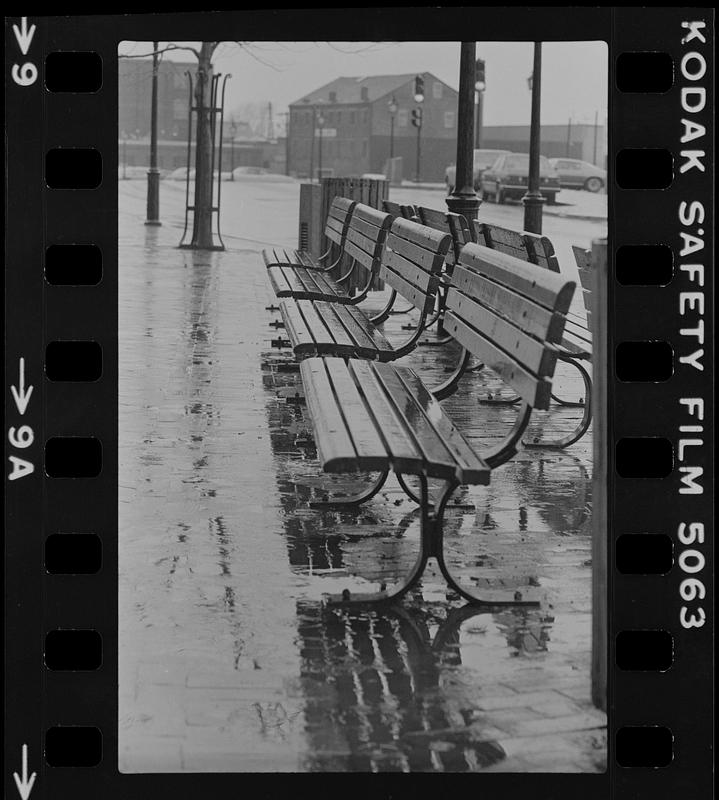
(228, 662)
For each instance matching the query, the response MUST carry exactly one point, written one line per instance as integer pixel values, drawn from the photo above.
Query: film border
(37, 121)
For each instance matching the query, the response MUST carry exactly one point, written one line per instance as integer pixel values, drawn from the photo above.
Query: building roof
(349, 90)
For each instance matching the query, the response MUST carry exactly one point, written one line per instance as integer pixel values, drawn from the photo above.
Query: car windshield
(520, 164)
(485, 158)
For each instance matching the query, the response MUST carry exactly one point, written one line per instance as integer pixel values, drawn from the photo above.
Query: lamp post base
(153, 197)
(533, 212)
(465, 204)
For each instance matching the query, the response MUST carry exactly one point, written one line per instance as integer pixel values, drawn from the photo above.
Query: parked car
(507, 178)
(576, 174)
(482, 160)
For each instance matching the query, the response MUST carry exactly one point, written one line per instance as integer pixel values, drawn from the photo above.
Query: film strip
(652, 540)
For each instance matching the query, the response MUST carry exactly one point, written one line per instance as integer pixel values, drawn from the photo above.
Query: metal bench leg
(580, 430)
(353, 500)
(405, 488)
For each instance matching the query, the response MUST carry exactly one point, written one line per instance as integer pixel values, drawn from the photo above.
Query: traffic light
(479, 78)
(418, 88)
(417, 117)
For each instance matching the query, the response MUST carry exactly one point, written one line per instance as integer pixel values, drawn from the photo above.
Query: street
(228, 661)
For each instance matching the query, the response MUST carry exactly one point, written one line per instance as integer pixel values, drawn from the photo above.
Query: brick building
(357, 127)
(135, 98)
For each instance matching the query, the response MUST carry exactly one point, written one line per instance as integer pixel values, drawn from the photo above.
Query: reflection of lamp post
(463, 199)
(392, 106)
(320, 123)
(233, 131)
(153, 174)
(533, 199)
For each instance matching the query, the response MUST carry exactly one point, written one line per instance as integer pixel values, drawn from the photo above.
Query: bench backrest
(453, 224)
(526, 246)
(366, 236)
(413, 260)
(509, 314)
(338, 219)
(584, 268)
(398, 209)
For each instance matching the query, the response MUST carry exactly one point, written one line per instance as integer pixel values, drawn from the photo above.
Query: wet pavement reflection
(229, 660)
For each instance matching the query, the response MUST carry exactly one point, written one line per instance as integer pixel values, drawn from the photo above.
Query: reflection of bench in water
(374, 699)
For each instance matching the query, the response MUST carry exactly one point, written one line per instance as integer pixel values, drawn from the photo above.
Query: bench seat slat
(371, 451)
(305, 284)
(338, 330)
(402, 448)
(532, 389)
(335, 448)
(471, 467)
(438, 460)
(347, 327)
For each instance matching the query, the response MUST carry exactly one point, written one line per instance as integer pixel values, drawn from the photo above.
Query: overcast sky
(574, 74)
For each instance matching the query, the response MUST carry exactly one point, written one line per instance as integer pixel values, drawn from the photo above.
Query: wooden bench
(336, 227)
(577, 339)
(362, 238)
(381, 417)
(398, 209)
(409, 262)
(526, 246)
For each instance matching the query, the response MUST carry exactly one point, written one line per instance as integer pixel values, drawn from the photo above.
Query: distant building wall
(575, 141)
(173, 154)
(135, 97)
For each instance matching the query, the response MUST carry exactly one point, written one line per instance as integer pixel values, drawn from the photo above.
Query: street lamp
(153, 174)
(320, 124)
(479, 87)
(463, 199)
(392, 106)
(417, 118)
(533, 200)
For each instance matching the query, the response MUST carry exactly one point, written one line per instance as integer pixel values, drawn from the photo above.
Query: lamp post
(533, 200)
(463, 199)
(479, 87)
(417, 118)
(320, 125)
(153, 174)
(392, 106)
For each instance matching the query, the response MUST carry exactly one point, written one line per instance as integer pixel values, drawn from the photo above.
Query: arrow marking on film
(23, 35)
(22, 398)
(24, 786)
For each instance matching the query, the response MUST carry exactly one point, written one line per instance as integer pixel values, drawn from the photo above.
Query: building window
(437, 90)
(449, 119)
(364, 147)
(402, 115)
(353, 118)
(179, 108)
(365, 116)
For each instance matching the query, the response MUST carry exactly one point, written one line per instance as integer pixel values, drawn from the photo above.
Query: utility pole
(463, 199)
(569, 136)
(153, 174)
(533, 200)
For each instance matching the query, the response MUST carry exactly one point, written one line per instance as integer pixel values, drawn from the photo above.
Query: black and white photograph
(358, 455)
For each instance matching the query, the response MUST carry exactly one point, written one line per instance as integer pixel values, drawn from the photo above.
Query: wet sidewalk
(228, 660)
